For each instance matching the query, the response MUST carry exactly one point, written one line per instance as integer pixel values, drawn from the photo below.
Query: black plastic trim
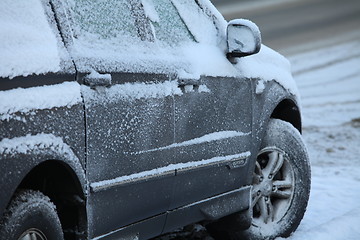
(35, 80)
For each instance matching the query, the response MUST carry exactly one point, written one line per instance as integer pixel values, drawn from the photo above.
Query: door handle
(95, 79)
(189, 85)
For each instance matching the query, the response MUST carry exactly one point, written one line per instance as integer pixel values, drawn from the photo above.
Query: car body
(132, 116)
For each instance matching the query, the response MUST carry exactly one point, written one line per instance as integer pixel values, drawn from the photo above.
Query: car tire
(31, 215)
(281, 187)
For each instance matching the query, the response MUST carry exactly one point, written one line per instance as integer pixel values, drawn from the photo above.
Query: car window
(108, 34)
(101, 20)
(104, 19)
(200, 19)
(168, 25)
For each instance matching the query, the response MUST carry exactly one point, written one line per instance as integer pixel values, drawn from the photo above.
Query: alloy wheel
(273, 187)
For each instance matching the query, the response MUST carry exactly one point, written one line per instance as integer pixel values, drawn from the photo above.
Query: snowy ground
(328, 77)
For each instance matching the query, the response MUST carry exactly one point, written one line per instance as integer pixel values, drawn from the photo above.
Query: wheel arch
(288, 111)
(45, 163)
(57, 180)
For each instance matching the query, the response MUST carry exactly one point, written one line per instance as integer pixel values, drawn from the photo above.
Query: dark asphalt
(301, 22)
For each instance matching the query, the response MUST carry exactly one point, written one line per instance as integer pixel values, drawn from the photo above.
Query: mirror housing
(243, 38)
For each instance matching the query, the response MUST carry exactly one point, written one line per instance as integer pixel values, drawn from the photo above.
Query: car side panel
(264, 104)
(215, 123)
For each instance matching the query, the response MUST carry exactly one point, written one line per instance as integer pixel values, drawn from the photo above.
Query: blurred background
(289, 24)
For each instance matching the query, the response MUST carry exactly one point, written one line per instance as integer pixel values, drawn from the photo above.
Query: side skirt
(209, 209)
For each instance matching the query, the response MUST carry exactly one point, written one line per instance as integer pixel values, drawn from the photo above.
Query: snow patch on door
(22, 100)
(206, 138)
(133, 91)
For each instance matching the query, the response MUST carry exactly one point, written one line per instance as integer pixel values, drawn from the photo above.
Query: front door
(213, 116)
(213, 132)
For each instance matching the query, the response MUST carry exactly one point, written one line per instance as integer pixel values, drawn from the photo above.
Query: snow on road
(329, 82)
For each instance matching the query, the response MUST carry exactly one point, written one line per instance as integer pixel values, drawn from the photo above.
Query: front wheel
(31, 215)
(281, 186)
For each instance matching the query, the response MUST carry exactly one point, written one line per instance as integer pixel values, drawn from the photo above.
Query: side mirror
(243, 38)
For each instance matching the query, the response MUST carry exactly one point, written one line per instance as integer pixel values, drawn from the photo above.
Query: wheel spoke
(266, 209)
(255, 199)
(281, 194)
(263, 209)
(283, 184)
(33, 236)
(276, 160)
(254, 191)
(258, 168)
(270, 210)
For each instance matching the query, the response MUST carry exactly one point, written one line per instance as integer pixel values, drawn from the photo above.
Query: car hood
(268, 65)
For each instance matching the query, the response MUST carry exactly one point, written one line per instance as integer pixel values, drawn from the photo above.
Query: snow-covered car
(127, 119)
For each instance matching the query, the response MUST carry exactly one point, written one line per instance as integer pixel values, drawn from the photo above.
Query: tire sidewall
(31, 210)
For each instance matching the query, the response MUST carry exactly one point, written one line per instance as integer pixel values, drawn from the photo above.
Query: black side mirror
(243, 38)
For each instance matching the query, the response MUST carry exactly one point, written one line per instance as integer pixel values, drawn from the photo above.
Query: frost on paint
(28, 44)
(41, 143)
(22, 100)
(132, 91)
(167, 169)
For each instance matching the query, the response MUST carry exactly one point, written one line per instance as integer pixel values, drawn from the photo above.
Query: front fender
(264, 104)
(19, 155)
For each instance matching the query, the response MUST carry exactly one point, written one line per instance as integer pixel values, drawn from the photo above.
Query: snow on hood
(268, 65)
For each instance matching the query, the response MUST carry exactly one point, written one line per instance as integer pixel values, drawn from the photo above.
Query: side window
(169, 27)
(101, 20)
(199, 18)
(107, 34)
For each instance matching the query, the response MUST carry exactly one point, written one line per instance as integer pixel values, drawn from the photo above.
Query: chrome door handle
(97, 80)
(189, 85)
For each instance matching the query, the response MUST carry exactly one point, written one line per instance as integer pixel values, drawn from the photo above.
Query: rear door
(129, 108)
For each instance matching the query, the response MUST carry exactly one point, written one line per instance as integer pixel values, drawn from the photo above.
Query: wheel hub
(266, 188)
